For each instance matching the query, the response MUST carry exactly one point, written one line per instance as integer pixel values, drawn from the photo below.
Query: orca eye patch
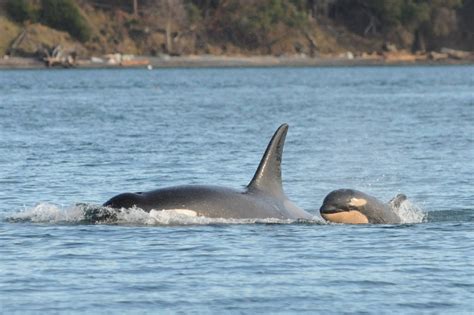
(357, 202)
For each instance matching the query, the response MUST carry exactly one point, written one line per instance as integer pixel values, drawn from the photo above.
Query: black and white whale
(355, 207)
(263, 197)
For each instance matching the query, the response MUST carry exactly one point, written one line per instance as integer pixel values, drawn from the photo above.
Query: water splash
(48, 213)
(410, 213)
(94, 214)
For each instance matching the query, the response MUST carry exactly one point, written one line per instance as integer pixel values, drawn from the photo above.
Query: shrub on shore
(21, 10)
(65, 15)
(59, 14)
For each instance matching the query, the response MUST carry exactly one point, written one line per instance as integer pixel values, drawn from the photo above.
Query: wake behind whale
(86, 214)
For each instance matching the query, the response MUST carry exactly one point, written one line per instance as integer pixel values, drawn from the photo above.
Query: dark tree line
(248, 21)
(253, 23)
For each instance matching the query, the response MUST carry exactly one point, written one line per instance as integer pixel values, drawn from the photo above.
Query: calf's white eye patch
(357, 202)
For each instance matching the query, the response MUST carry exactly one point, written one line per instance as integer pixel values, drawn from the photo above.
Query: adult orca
(263, 197)
(355, 207)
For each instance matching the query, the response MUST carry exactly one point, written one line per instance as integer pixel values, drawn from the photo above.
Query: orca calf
(263, 197)
(355, 207)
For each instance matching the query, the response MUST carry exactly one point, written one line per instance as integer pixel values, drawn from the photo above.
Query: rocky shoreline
(195, 61)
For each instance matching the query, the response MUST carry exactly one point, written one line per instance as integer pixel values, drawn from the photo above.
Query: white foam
(50, 213)
(189, 217)
(410, 213)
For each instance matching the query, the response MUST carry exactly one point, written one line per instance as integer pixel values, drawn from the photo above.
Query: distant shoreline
(208, 61)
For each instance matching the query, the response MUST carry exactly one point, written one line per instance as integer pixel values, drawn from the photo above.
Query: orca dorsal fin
(397, 200)
(267, 178)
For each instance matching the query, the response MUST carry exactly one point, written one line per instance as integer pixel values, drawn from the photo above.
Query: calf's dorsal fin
(267, 178)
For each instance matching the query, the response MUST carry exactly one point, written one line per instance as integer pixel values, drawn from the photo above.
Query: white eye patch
(356, 202)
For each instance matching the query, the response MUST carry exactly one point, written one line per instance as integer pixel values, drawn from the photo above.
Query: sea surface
(70, 138)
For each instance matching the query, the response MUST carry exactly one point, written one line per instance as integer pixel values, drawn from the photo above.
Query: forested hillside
(230, 27)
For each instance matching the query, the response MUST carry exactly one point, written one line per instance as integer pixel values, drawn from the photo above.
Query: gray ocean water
(82, 136)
